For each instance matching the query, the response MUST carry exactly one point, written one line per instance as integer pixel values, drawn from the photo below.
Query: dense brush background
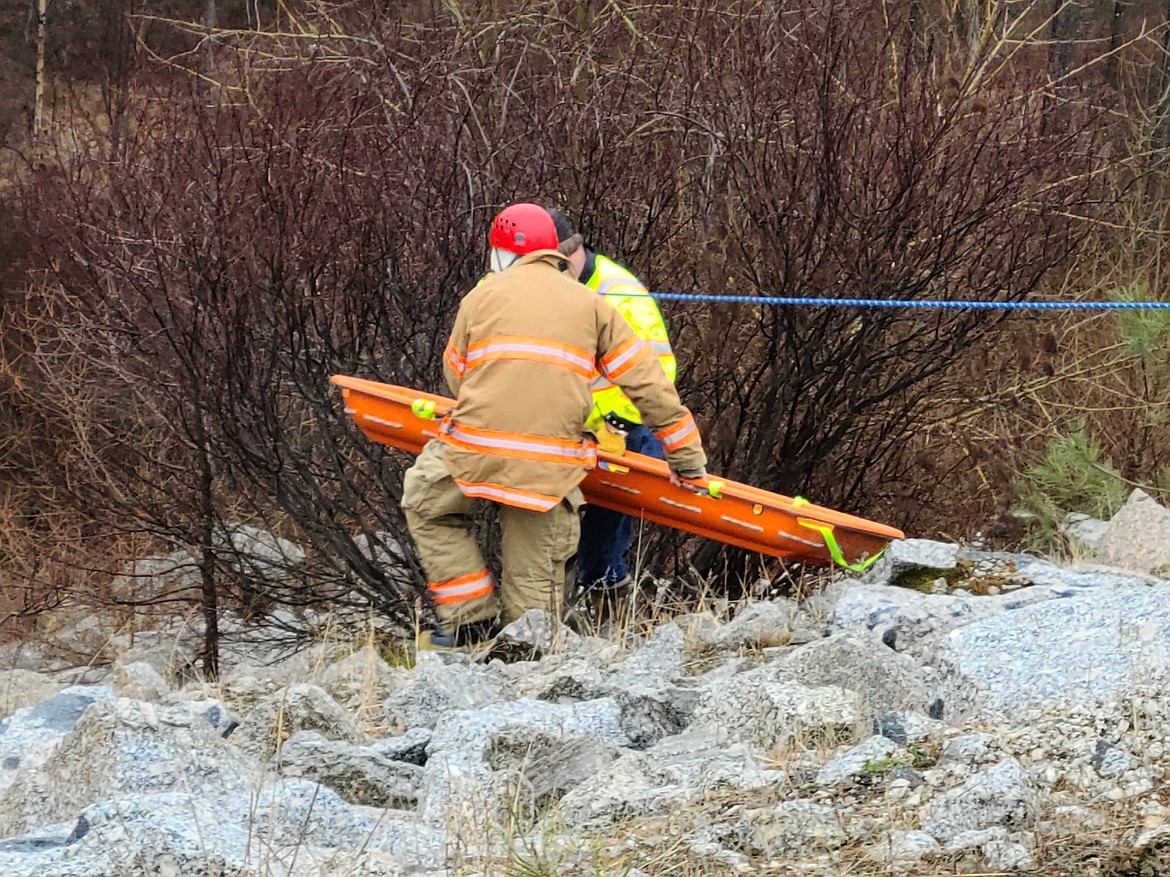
(210, 206)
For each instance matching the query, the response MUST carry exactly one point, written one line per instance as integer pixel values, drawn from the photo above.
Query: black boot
(441, 637)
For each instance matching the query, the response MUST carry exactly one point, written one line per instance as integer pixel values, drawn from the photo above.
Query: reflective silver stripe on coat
(532, 447)
(513, 347)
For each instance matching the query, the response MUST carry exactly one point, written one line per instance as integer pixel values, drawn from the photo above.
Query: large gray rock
(904, 555)
(758, 625)
(906, 727)
(257, 553)
(174, 576)
(360, 775)
(530, 637)
(290, 829)
(82, 635)
(361, 680)
(913, 622)
(754, 709)
(706, 762)
(885, 679)
(1084, 531)
(387, 552)
(542, 767)
(793, 827)
(30, 735)
(648, 716)
(119, 748)
(299, 707)
(1080, 650)
(140, 681)
(458, 781)
(410, 747)
(904, 846)
(472, 731)
(1138, 536)
(570, 682)
(659, 661)
(631, 787)
(172, 649)
(870, 754)
(437, 691)
(999, 796)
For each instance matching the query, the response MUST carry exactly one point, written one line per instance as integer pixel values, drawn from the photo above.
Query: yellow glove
(611, 441)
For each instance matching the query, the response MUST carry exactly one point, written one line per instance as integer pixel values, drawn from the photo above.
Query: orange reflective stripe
(682, 433)
(526, 348)
(624, 358)
(523, 499)
(468, 587)
(518, 445)
(457, 362)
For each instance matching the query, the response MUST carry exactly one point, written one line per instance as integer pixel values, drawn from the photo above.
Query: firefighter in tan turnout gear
(527, 343)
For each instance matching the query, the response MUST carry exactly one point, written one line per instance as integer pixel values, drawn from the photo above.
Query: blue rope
(912, 303)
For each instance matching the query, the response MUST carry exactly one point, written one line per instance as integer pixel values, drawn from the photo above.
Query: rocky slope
(952, 711)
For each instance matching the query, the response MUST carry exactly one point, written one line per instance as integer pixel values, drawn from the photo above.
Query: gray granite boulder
(912, 622)
(1138, 536)
(361, 678)
(120, 748)
(1084, 531)
(410, 747)
(904, 555)
(869, 755)
(359, 774)
(885, 679)
(758, 625)
(532, 636)
(139, 681)
(700, 760)
(257, 553)
(299, 707)
(631, 787)
(753, 708)
(660, 660)
(457, 777)
(904, 847)
(793, 827)
(288, 829)
(541, 767)
(30, 735)
(999, 796)
(1080, 650)
(438, 690)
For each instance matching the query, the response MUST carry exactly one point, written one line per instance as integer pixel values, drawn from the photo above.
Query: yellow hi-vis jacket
(627, 295)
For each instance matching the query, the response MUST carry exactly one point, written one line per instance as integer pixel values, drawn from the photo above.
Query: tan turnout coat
(526, 344)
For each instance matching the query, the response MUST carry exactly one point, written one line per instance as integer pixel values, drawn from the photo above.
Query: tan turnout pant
(535, 547)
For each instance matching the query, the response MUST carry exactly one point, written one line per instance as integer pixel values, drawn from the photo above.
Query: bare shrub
(320, 206)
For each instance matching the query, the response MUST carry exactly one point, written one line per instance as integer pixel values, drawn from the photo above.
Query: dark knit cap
(565, 228)
(570, 241)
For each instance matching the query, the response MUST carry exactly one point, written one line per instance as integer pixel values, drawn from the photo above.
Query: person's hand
(688, 478)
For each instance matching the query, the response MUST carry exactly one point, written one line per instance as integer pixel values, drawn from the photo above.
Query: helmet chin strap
(502, 259)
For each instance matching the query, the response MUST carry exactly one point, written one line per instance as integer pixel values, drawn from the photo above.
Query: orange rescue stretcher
(726, 511)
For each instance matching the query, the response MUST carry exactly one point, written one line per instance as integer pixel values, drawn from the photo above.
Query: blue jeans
(605, 534)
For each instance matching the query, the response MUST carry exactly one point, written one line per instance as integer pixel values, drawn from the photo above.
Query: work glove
(687, 478)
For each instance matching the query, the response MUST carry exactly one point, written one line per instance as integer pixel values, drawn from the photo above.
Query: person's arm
(455, 354)
(630, 362)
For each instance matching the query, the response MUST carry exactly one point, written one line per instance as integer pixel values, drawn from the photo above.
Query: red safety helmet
(523, 228)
